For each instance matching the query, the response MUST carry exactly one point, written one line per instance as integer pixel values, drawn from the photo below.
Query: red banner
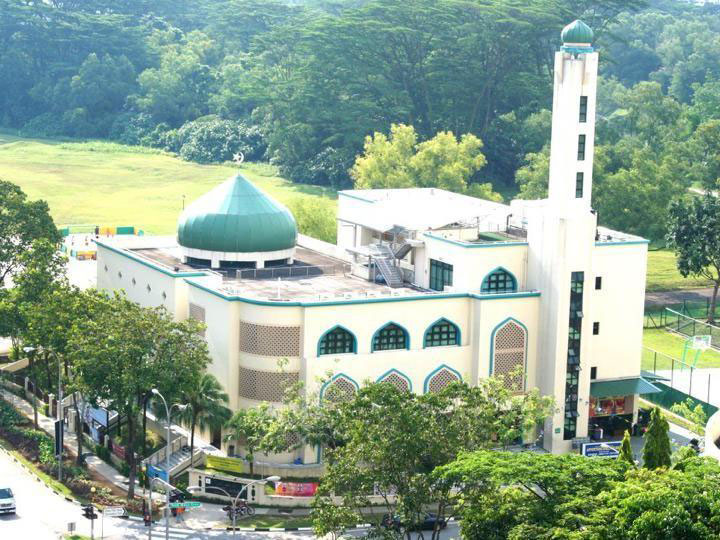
(296, 489)
(118, 450)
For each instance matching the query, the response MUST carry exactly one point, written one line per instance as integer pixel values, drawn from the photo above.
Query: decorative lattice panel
(292, 440)
(441, 379)
(510, 346)
(269, 340)
(339, 390)
(197, 312)
(397, 381)
(265, 385)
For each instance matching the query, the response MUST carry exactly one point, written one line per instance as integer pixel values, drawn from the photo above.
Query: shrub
(212, 139)
(103, 453)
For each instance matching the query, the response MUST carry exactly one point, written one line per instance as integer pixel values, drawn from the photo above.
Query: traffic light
(89, 511)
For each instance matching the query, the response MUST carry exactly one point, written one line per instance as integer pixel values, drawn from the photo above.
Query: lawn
(672, 345)
(101, 183)
(663, 275)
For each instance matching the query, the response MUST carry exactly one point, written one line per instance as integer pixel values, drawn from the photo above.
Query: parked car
(7, 501)
(428, 523)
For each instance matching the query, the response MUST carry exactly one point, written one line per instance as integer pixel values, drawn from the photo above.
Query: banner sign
(296, 489)
(597, 449)
(117, 449)
(154, 472)
(100, 416)
(95, 434)
(229, 464)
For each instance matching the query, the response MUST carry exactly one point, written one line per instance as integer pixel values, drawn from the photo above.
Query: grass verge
(663, 275)
(273, 521)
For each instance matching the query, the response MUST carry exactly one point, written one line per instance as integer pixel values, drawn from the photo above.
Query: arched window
(441, 334)
(338, 389)
(397, 379)
(337, 341)
(499, 281)
(509, 343)
(440, 378)
(390, 337)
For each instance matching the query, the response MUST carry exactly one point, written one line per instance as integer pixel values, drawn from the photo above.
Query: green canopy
(622, 387)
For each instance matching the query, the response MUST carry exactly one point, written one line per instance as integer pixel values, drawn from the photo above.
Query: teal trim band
(442, 320)
(157, 267)
(401, 327)
(469, 245)
(333, 379)
(253, 301)
(438, 369)
(356, 197)
(622, 243)
(354, 342)
(400, 374)
(492, 345)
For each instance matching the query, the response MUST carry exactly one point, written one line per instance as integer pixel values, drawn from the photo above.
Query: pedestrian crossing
(175, 533)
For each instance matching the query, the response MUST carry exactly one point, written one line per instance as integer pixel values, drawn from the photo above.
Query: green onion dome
(577, 32)
(237, 217)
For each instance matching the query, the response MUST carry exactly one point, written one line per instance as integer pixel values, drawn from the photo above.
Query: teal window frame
(442, 333)
(583, 109)
(582, 140)
(441, 274)
(579, 185)
(390, 337)
(499, 281)
(337, 340)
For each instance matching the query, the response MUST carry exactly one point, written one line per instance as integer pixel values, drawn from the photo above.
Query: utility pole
(60, 418)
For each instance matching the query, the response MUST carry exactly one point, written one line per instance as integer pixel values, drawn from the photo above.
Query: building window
(499, 281)
(442, 334)
(337, 341)
(583, 109)
(441, 274)
(389, 338)
(579, 181)
(598, 283)
(581, 148)
(508, 343)
(593, 373)
(596, 328)
(577, 281)
(397, 379)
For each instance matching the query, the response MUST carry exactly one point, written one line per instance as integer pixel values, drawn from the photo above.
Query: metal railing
(696, 382)
(689, 326)
(288, 272)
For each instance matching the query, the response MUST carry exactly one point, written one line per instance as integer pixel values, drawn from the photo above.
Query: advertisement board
(154, 472)
(118, 450)
(221, 463)
(603, 450)
(296, 489)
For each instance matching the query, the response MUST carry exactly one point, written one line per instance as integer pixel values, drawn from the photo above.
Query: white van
(7, 501)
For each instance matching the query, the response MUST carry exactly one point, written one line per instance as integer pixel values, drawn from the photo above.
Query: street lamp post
(30, 351)
(234, 500)
(168, 489)
(167, 457)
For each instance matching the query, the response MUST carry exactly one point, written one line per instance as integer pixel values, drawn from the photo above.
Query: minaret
(561, 235)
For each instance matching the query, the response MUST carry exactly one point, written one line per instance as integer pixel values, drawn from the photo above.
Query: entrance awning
(622, 387)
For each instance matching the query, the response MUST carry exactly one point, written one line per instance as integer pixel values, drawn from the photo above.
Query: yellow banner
(229, 464)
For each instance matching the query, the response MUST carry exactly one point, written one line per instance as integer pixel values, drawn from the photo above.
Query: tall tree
(21, 223)
(207, 407)
(126, 350)
(249, 427)
(694, 234)
(657, 451)
(626, 453)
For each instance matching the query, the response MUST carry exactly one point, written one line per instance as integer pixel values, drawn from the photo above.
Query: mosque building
(423, 287)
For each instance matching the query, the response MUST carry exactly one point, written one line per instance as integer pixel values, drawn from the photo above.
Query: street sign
(114, 511)
(189, 504)
(605, 450)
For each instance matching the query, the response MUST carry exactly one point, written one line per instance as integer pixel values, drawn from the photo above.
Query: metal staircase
(391, 274)
(403, 250)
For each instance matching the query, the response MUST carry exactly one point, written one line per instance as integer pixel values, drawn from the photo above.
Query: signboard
(229, 464)
(58, 437)
(296, 489)
(95, 434)
(100, 416)
(155, 472)
(114, 511)
(118, 449)
(233, 488)
(189, 504)
(597, 449)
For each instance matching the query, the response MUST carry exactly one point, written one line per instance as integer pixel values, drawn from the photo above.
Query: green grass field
(672, 345)
(663, 275)
(101, 183)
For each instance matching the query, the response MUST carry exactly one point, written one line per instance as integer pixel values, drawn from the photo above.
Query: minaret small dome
(237, 217)
(577, 32)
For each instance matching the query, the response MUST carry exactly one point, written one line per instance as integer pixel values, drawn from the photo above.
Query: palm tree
(207, 408)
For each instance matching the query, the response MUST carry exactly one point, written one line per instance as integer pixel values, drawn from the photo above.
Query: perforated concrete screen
(198, 313)
(339, 390)
(397, 381)
(265, 385)
(269, 340)
(441, 379)
(510, 355)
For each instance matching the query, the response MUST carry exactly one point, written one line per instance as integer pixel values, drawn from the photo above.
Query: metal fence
(656, 317)
(702, 384)
(689, 326)
(286, 272)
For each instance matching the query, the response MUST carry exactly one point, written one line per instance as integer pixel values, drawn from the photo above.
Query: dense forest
(302, 83)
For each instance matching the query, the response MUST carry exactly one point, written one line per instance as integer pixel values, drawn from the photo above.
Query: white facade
(481, 289)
